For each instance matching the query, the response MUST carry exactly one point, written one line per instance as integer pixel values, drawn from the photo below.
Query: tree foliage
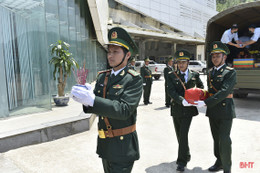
(225, 4)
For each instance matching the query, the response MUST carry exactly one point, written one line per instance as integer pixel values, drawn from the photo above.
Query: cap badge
(114, 35)
(215, 46)
(181, 54)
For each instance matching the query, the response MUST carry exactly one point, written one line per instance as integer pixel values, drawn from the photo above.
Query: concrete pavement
(157, 140)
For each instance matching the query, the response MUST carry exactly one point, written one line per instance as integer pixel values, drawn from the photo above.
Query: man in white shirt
(255, 37)
(229, 35)
(227, 38)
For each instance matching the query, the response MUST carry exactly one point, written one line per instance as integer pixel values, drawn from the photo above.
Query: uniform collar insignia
(219, 76)
(117, 86)
(122, 73)
(221, 70)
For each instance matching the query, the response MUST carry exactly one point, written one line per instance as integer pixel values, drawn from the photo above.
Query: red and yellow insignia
(114, 35)
(181, 54)
(117, 86)
(215, 46)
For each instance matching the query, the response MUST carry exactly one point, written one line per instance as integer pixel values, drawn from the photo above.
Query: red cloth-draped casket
(195, 94)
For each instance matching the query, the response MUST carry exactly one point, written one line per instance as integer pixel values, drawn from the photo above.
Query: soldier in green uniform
(181, 111)
(166, 71)
(146, 74)
(220, 106)
(132, 64)
(115, 99)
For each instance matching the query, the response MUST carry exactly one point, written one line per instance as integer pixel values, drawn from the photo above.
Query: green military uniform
(166, 71)
(182, 116)
(132, 66)
(220, 108)
(146, 74)
(119, 107)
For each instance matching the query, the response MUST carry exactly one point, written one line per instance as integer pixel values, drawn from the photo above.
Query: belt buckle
(101, 134)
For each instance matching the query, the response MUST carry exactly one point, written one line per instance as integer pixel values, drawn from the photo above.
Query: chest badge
(117, 86)
(122, 73)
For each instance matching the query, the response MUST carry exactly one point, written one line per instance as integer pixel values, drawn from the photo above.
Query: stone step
(45, 132)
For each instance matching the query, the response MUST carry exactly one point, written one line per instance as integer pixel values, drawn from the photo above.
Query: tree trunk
(61, 85)
(60, 89)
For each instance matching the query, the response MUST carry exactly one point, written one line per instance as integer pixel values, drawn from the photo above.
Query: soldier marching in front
(166, 71)
(181, 111)
(146, 74)
(115, 99)
(220, 106)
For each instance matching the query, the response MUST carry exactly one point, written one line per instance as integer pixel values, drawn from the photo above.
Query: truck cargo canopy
(243, 15)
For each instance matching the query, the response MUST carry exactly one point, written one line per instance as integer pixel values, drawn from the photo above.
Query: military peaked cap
(147, 59)
(120, 37)
(170, 59)
(182, 55)
(219, 47)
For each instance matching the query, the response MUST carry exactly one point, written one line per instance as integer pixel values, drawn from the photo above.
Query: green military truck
(247, 61)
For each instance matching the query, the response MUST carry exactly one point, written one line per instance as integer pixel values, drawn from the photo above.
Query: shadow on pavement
(161, 108)
(171, 168)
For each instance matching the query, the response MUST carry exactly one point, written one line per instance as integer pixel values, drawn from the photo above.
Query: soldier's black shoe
(150, 102)
(167, 106)
(145, 103)
(180, 168)
(215, 168)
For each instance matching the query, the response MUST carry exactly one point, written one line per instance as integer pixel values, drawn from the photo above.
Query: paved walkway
(158, 144)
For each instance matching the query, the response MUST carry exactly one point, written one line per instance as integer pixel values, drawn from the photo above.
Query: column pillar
(173, 49)
(142, 49)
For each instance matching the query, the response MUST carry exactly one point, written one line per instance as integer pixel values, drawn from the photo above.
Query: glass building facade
(27, 28)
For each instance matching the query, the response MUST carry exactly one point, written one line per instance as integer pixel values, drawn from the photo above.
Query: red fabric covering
(195, 94)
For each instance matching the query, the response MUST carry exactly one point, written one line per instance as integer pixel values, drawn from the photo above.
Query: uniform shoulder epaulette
(133, 73)
(104, 71)
(229, 68)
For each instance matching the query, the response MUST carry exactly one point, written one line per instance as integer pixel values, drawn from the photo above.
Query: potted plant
(63, 64)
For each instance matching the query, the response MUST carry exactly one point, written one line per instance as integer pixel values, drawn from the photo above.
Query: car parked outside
(198, 66)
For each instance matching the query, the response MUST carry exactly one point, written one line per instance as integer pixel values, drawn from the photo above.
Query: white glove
(144, 84)
(86, 86)
(185, 103)
(89, 87)
(200, 103)
(83, 96)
